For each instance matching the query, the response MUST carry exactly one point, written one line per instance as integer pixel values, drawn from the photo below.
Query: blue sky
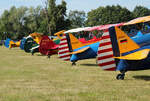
(86, 5)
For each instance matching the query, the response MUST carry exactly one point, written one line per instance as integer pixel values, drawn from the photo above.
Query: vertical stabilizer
(63, 50)
(105, 53)
(75, 43)
(125, 43)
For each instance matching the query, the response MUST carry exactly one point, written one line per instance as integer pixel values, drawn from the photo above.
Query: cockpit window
(133, 30)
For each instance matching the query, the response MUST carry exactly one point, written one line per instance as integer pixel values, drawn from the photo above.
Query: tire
(120, 76)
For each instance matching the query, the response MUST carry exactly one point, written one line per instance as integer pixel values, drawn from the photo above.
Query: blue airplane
(7, 41)
(71, 49)
(119, 52)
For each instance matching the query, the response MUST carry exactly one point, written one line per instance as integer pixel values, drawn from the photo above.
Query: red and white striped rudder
(105, 53)
(63, 50)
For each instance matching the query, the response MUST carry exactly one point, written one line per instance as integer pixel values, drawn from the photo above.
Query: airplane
(6, 43)
(48, 47)
(49, 44)
(10, 43)
(14, 44)
(119, 52)
(71, 49)
(31, 43)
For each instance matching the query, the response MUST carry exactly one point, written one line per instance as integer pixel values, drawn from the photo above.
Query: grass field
(35, 78)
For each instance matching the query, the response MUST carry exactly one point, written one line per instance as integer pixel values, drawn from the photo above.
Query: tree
(18, 18)
(33, 20)
(12, 22)
(56, 16)
(61, 17)
(140, 11)
(77, 18)
(108, 15)
(5, 25)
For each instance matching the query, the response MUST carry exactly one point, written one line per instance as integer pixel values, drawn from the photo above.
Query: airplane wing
(80, 50)
(138, 20)
(139, 55)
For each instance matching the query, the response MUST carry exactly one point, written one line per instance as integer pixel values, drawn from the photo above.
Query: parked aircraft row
(115, 49)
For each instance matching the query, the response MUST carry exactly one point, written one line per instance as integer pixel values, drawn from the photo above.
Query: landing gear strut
(121, 76)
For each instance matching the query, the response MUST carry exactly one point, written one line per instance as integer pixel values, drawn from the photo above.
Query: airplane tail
(67, 44)
(114, 43)
(105, 53)
(63, 50)
(75, 43)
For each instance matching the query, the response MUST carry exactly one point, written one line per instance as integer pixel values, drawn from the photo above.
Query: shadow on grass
(39, 55)
(142, 77)
(89, 64)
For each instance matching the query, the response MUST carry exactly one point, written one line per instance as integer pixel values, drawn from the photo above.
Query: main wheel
(120, 76)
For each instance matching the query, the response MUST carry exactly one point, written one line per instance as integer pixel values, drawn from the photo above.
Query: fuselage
(89, 53)
(142, 39)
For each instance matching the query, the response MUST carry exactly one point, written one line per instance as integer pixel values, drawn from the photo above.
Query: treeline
(16, 23)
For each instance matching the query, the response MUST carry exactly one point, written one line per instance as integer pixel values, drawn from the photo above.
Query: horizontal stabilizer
(80, 51)
(139, 55)
(34, 47)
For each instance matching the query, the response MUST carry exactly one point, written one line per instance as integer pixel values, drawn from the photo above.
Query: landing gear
(32, 53)
(73, 63)
(96, 60)
(48, 56)
(121, 76)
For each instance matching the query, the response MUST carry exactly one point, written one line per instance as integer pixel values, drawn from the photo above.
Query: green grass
(36, 78)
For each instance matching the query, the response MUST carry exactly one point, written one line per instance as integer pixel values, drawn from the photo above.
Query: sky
(81, 5)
